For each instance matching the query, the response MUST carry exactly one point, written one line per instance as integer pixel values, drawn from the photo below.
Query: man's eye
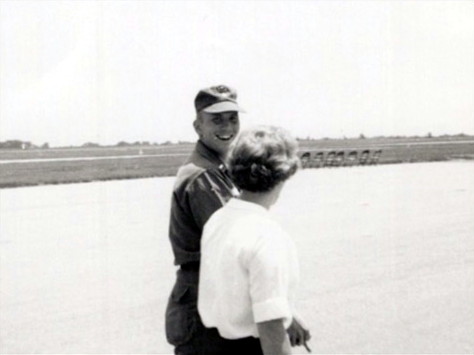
(217, 120)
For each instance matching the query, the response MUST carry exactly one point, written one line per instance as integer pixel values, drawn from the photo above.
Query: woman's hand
(273, 338)
(298, 333)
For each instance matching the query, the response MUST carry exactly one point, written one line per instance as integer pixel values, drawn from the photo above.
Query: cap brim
(223, 106)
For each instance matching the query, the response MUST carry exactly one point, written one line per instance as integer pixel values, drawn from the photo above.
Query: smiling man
(202, 186)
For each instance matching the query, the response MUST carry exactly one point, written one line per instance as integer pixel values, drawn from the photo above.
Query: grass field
(72, 165)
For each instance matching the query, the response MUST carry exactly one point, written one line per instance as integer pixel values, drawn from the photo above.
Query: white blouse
(249, 270)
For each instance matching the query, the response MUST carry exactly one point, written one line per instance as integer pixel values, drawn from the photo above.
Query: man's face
(217, 130)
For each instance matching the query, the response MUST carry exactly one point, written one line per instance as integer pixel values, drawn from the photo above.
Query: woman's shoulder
(265, 232)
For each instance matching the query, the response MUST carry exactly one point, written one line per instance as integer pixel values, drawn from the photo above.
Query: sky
(90, 71)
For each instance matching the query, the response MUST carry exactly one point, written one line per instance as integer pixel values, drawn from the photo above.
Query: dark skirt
(184, 328)
(215, 344)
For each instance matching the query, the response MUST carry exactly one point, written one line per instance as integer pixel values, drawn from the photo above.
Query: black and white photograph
(237, 177)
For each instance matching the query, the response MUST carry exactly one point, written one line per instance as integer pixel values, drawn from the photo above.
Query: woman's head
(262, 157)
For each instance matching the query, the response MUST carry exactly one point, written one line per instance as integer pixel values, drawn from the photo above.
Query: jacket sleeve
(205, 196)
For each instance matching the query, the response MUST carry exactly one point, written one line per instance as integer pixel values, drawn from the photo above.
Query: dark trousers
(184, 328)
(207, 341)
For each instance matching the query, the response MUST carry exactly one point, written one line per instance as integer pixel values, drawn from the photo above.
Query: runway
(386, 256)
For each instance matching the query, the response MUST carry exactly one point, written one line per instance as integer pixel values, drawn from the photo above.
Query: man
(202, 186)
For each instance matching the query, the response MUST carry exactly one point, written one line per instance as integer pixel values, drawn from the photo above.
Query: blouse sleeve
(269, 278)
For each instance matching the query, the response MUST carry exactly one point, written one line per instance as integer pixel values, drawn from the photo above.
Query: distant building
(15, 144)
(90, 145)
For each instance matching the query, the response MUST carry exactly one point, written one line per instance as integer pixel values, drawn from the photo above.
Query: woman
(249, 267)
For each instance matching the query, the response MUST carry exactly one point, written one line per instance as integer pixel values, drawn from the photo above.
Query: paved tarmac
(386, 255)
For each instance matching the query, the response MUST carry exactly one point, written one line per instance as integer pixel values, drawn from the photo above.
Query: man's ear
(197, 126)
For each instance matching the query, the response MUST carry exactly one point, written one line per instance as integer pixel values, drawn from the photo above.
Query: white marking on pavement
(20, 161)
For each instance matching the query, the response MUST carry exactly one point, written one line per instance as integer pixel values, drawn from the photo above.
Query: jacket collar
(205, 156)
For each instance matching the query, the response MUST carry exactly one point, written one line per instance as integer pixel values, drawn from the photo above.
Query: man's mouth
(224, 138)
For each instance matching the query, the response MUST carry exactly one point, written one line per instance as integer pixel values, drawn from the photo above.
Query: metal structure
(339, 158)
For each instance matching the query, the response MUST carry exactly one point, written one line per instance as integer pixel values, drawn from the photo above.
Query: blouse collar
(246, 205)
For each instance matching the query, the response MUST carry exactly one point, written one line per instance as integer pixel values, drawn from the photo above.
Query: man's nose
(225, 124)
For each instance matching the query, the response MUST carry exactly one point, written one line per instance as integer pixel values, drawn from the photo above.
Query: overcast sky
(78, 71)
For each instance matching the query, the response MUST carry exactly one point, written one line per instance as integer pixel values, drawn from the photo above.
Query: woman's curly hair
(262, 157)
